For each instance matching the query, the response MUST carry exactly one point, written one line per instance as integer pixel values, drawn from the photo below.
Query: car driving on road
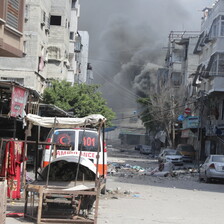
(212, 168)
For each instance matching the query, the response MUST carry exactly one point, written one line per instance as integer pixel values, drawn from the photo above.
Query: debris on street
(162, 170)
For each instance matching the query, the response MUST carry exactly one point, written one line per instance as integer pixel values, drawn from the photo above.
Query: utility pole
(173, 126)
(199, 138)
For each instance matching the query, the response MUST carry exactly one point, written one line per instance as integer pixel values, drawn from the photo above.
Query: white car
(212, 168)
(171, 155)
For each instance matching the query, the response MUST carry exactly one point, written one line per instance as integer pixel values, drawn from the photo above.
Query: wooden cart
(76, 203)
(57, 204)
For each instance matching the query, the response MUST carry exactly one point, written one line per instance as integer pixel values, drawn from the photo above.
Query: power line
(161, 111)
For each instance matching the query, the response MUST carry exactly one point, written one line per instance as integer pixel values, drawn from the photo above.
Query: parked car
(187, 151)
(212, 168)
(137, 147)
(145, 149)
(170, 155)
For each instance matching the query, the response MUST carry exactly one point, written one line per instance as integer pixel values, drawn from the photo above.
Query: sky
(128, 39)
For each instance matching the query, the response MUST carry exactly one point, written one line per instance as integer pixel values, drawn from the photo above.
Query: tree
(82, 99)
(158, 113)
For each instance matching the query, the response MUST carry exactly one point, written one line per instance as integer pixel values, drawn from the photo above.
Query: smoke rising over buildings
(127, 40)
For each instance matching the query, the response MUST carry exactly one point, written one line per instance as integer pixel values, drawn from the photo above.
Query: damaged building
(194, 77)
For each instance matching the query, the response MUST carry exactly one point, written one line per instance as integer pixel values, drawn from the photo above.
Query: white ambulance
(73, 142)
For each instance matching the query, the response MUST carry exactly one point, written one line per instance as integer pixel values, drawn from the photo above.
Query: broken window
(55, 20)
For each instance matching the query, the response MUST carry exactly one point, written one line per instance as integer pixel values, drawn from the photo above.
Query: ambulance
(77, 142)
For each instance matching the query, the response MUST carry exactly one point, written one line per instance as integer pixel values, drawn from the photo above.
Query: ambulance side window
(88, 141)
(65, 140)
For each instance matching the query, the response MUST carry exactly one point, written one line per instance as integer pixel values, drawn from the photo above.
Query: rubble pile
(119, 193)
(163, 170)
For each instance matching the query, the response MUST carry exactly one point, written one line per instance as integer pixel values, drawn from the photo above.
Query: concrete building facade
(74, 43)
(30, 70)
(11, 28)
(58, 46)
(49, 46)
(194, 77)
(209, 78)
(174, 81)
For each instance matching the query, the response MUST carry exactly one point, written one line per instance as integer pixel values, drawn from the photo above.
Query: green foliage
(82, 99)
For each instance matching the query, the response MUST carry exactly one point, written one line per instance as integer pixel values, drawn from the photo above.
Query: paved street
(175, 200)
(136, 198)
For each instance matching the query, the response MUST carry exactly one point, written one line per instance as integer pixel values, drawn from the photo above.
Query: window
(218, 158)
(223, 110)
(217, 67)
(12, 17)
(177, 56)
(64, 139)
(88, 141)
(222, 26)
(73, 3)
(217, 28)
(19, 80)
(26, 16)
(222, 29)
(213, 70)
(55, 20)
(25, 47)
(176, 78)
(71, 36)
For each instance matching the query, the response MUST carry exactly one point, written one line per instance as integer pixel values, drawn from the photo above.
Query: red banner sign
(18, 101)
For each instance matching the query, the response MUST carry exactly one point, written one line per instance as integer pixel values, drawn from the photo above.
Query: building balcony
(215, 84)
(11, 26)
